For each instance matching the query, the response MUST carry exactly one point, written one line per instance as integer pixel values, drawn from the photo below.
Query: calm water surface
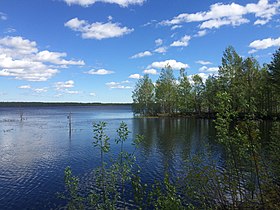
(34, 152)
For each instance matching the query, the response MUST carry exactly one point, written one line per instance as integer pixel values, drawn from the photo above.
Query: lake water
(35, 151)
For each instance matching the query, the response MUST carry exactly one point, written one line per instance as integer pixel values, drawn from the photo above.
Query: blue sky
(95, 50)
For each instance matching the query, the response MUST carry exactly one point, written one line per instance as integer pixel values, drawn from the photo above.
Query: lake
(34, 151)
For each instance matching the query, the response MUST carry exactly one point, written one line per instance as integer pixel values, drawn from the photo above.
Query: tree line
(249, 85)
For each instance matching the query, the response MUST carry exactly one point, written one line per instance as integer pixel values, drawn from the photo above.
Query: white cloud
(21, 59)
(221, 14)
(183, 42)
(203, 62)
(118, 85)
(264, 43)
(92, 94)
(17, 45)
(7, 62)
(217, 23)
(41, 90)
(24, 87)
(3, 16)
(201, 33)
(97, 30)
(100, 72)
(252, 51)
(213, 70)
(56, 58)
(161, 50)
(261, 22)
(142, 54)
(172, 63)
(135, 76)
(152, 22)
(64, 85)
(25, 69)
(122, 3)
(175, 27)
(158, 42)
(76, 24)
(263, 11)
(150, 71)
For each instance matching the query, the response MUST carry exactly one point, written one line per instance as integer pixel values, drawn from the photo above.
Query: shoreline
(212, 116)
(58, 104)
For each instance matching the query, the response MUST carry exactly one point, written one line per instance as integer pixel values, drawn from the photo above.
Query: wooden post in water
(70, 123)
(21, 115)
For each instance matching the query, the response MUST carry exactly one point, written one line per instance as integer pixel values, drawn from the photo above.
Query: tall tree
(274, 69)
(184, 93)
(231, 75)
(166, 91)
(210, 93)
(143, 96)
(264, 93)
(198, 88)
(274, 72)
(251, 77)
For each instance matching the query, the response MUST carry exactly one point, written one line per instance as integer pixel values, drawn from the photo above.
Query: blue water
(34, 151)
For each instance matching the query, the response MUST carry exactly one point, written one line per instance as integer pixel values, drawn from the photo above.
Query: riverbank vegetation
(247, 175)
(243, 79)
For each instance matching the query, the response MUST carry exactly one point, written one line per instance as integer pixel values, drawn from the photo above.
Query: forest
(250, 86)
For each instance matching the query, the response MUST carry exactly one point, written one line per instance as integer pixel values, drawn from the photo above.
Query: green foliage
(244, 172)
(264, 93)
(211, 90)
(274, 150)
(274, 69)
(107, 177)
(125, 160)
(246, 179)
(144, 96)
(166, 91)
(102, 175)
(100, 138)
(198, 88)
(185, 103)
(230, 69)
(272, 175)
(274, 78)
(203, 185)
(139, 191)
(165, 196)
(252, 89)
(74, 199)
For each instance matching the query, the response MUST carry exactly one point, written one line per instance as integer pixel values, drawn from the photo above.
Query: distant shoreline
(60, 104)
